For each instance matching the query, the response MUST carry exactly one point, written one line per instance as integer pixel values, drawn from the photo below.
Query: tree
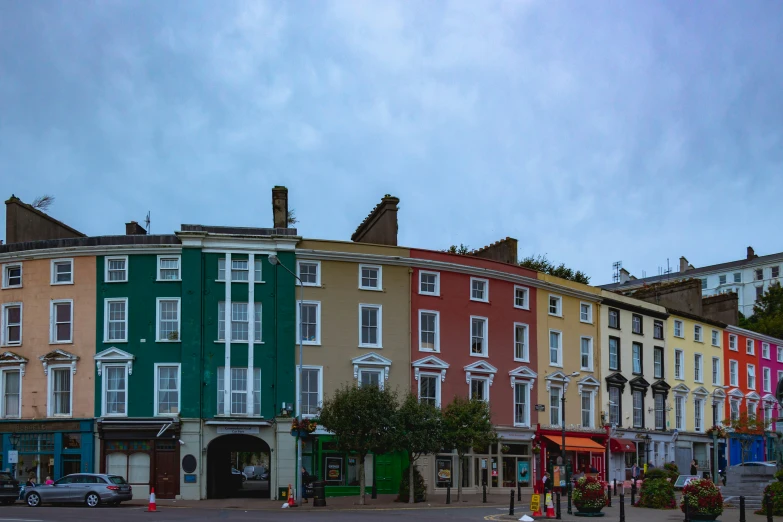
(42, 203)
(420, 433)
(462, 250)
(767, 315)
(541, 263)
(363, 420)
(745, 429)
(467, 423)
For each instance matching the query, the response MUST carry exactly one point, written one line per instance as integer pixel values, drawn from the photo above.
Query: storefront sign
(540, 407)
(523, 471)
(334, 469)
(190, 479)
(535, 503)
(443, 466)
(556, 477)
(13, 457)
(27, 427)
(238, 430)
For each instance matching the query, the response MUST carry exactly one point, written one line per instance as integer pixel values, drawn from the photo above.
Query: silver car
(91, 489)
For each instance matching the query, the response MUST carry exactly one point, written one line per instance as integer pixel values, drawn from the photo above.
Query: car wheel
(92, 500)
(244, 478)
(33, 500)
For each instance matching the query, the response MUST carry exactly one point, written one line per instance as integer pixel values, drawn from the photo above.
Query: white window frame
(716, 338)
(732, 403)
(6, 268)
(436, 348)
(437, 282)
(249, 398)
(659, 413)
(751, 368)
(698, 375)
(733, 376)
(485, 343)
(733, 343)
(106, 319)
(53, 321)
(658, 367)
(53, 269)
(50, 371)
(678, 325)
(106, 263)
(559, 363)
(525, 300)
(485, 298)
(780, 353)
(559, 390)
(765, 350)
(634, 359)
(526, 340)
(379, 308)
(716, 381)
(257, 271)
(3, 371)
(251, 318)
(381, 376)
(558, 306)
(320, 370)
(527, 386)
(104, 383)
(158, 366)
(317, 341)
(317, 264)
(437, 378)
(679, 361)
(766, 379)
(179, 267)
(485, 380)
(589, 367)
(589, 318)
(737, 279)
(750, 347)
(158, 302)
(633, 409)
(3, 321)
(679, 413)
(379, 268)
(758, 274)
(698, 415)
(591, 395)
(698, 333)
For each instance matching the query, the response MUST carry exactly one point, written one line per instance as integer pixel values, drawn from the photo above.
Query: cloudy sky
(590, 131)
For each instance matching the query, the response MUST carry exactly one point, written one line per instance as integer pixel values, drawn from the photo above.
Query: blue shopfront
(745, 448)
(47, 448)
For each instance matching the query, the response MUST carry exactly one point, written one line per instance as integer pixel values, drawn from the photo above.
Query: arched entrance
(235, 452)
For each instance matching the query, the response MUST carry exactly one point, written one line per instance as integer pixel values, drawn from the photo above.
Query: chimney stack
(504, 251)
(380, 227)
(751, 253)
(684, 265)
(134, 229)
(280, 206)
(625, 276)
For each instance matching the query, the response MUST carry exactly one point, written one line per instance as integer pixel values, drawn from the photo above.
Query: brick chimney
(24, 223)
(504, 251)
(684, 265)
(134, 229)
(280, 206)
(751, 253)
(380, 227)
(625, 276)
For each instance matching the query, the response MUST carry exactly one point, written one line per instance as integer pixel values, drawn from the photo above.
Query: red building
(473, 328)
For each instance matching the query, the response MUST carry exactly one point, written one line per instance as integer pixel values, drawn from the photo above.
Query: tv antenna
(147, 222)
(616, 266)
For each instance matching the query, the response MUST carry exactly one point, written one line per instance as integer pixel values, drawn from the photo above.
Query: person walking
(694, 467)
(49, 481)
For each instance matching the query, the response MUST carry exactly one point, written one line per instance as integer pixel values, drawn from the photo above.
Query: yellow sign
(535, 503)
(549, 500)
(645, 469)
(556, 476)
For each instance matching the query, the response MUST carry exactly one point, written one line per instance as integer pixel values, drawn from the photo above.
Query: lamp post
(647, 440)
(566, 380)
(276, 262)
(14, 441)
(714, 441)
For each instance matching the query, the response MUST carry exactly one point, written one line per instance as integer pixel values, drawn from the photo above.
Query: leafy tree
(420, 433)
(462, 250)
(363, 420)
(467, 423)
(767, 315)
(746, 428)
(541, 263)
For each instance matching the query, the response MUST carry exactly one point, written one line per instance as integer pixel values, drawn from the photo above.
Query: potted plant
(588, 495)
(303, 428)
(703, 500)
(718, 430)
(504, 448)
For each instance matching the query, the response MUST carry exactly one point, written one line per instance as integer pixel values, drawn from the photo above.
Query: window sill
(310, 343)
(316, 285)
(556, 365)
(583, 369)
(168, 341)
(116, 281)
(638, 333)
(115, 415)
(585, 322)
(522, 360)
(428, 350)
(219, 341)
(658, 338)
(479, 300)
(522, 307)
(429, 294)
(11, 287)
(480, 355)
(115, 341)
(59, 416)
(614, 328)
(521, 425)
(61, 283)
(371, 346)
(168, 280)
(371, 289)
(697, 341)
(555, 315)
(166, 415)
(11, 345)
(679, 336)
(61, 342)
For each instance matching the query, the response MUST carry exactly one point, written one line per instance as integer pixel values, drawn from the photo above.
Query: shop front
(48, 448)
(143, 451)
(585, 454)
(622, 457)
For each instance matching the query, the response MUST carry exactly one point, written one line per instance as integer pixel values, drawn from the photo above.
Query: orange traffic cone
(538, 511)
(291, 502)
(152, 507)
(550, 506)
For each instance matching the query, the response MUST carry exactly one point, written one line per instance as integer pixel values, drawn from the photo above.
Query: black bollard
(609, 496)
(768, 505)
(633, 493)
(622, 507)
(687, 510)
(742, 509)
(557, 506)
(448, 493)
(485, 494)
(568, 488)
(615, 487)
(519, 491)
(511, 506)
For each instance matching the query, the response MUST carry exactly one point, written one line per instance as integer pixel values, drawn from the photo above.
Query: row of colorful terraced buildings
(158, 356)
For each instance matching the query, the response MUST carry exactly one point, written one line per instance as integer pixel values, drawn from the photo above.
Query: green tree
(541, 263)
(467, 423)
(462, 250)
(767, 315)
(363, 420)
(420, 430)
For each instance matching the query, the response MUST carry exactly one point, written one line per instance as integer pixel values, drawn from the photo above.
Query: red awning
(622, 446)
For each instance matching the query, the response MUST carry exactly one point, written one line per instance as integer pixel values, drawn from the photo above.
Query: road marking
(19, 520)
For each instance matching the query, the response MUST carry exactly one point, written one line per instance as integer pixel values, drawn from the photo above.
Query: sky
(592, 132)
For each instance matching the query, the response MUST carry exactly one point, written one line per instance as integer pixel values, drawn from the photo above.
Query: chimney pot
(751, 253)
(280, 206)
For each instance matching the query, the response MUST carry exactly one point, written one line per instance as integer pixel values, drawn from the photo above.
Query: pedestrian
(635, 472)
(694, 467)
(31, 480)
(545, 482)
(306, 479)
(49, 481)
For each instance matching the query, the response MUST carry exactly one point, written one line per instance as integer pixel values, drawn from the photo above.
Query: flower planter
(701, 516)
(585, 509)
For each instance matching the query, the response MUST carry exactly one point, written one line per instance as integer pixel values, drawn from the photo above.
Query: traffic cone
(550, 506)
(291, 502)
(538, 511)
(152, 507)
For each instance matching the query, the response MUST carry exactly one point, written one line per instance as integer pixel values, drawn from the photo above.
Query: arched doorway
(235, 452)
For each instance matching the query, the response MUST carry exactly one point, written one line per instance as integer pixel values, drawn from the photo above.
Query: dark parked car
(9, 488)
(90, 489)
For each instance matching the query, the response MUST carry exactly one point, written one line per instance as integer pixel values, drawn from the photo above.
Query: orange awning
(576, 444)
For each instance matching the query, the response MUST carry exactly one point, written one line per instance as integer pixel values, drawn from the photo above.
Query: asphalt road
(21, 513)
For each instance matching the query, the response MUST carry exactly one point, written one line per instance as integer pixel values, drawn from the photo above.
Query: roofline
(756, 335)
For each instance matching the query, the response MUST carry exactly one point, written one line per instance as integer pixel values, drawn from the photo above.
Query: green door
(384, 474)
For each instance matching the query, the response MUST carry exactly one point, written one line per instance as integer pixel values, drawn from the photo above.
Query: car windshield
(4, 475)
(117, 480)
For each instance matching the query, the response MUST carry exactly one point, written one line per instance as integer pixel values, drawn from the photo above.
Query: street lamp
(276, 262)
(714, 440)
(14, 441)
(566, 380)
